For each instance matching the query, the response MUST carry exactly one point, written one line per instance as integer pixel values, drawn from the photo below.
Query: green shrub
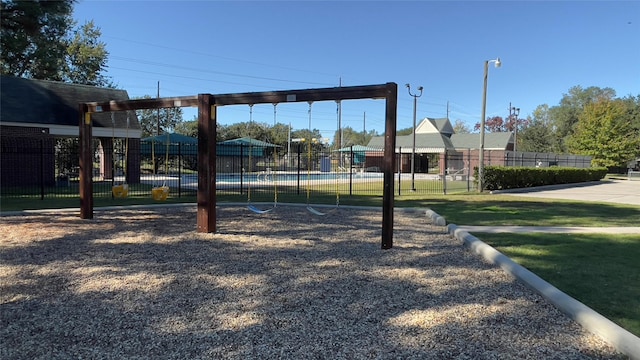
(500, 177)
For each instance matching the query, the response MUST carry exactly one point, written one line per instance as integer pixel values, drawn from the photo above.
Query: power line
(154, 63)
(219, 57)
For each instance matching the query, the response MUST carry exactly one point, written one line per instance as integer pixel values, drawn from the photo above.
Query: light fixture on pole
(413, 147)
(498, 63)
(516, 113)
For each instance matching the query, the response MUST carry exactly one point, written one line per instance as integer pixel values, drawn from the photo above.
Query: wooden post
(86, 163)
(389, 164)
(206, 164)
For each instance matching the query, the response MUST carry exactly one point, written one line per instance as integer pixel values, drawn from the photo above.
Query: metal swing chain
(275, 159)
(309, 158)
(250, 157)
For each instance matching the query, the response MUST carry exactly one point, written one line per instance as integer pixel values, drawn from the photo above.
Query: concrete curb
(621, 339)
(435, 218)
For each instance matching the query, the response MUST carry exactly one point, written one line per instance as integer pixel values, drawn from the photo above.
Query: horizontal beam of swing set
(250, 98)
(207, 116)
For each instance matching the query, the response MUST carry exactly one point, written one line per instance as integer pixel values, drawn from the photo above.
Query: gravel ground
(140, 284)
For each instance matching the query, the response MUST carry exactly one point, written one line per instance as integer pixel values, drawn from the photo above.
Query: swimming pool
(290, 177)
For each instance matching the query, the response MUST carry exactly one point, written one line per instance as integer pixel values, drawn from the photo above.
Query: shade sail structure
(178, 145)
(359, 152)
(186, 145)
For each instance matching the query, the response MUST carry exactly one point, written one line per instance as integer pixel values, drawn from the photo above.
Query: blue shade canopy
(186, 145)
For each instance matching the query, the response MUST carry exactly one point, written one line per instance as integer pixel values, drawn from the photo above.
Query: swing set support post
(389, 165)
(206, 164)
(86, 164)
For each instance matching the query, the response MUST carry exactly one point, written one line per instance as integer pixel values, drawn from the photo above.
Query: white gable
(435, 126)
(427, 126)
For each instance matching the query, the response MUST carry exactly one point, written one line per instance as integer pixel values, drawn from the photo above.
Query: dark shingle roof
(443, 125)
(247, 141)
(433, 142)
(32, 101)
(426, 143)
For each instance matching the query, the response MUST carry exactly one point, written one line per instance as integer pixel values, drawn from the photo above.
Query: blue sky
(546, 47)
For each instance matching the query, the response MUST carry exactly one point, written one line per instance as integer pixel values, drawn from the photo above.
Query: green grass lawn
(601, 271)
(496, 210)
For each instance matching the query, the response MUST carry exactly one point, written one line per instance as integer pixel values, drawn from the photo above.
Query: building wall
(28, 157)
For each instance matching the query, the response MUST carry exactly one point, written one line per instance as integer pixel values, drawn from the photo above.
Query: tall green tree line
(587, 121)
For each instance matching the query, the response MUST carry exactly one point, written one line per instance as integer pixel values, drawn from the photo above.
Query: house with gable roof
(436, 138)
(34, 113)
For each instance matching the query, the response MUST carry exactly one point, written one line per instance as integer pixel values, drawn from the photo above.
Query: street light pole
(413, 147)
(516, 113)
(482, 123)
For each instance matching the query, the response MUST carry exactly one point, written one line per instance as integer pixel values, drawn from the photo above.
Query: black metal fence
(48, 168)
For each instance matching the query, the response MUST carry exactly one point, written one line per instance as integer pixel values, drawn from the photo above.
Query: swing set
(274, 173)
(207, 117)
(250, 206)
(337, 181)
(120, 190)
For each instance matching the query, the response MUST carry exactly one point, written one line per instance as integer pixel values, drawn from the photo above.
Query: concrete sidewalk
(612, 191)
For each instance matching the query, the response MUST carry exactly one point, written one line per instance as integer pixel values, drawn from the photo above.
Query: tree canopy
(588, 121)
(536, 134)
(460, 127)
(604, 132)
(39, 40)
(352, 137)
(159, 121)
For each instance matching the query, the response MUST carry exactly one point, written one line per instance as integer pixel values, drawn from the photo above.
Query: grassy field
(496, 210)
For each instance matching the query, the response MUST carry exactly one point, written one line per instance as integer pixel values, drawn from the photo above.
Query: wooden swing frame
(207, 116)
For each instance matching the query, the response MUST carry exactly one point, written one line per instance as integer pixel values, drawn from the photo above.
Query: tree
(494, 124)
(278, 134)
(461, 128)
(158, 121)
(352, 137)
(632, 104)
(189, 128)
(254, 130)
(86, 57)
(403, 132)
(33, 38)
(604, 131)
(537, 133)
(565, 115)
(37, 42)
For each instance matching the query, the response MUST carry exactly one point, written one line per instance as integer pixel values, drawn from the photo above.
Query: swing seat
(120, 191)
(258, 211)
(160, 193)
(314, 211)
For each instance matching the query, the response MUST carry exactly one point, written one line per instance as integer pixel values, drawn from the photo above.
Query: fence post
(444, 176)
(42, 168)
(179, 169)
(350, 171)
(298, 178)
(468, 170)
(241, 169)
(399, 169)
